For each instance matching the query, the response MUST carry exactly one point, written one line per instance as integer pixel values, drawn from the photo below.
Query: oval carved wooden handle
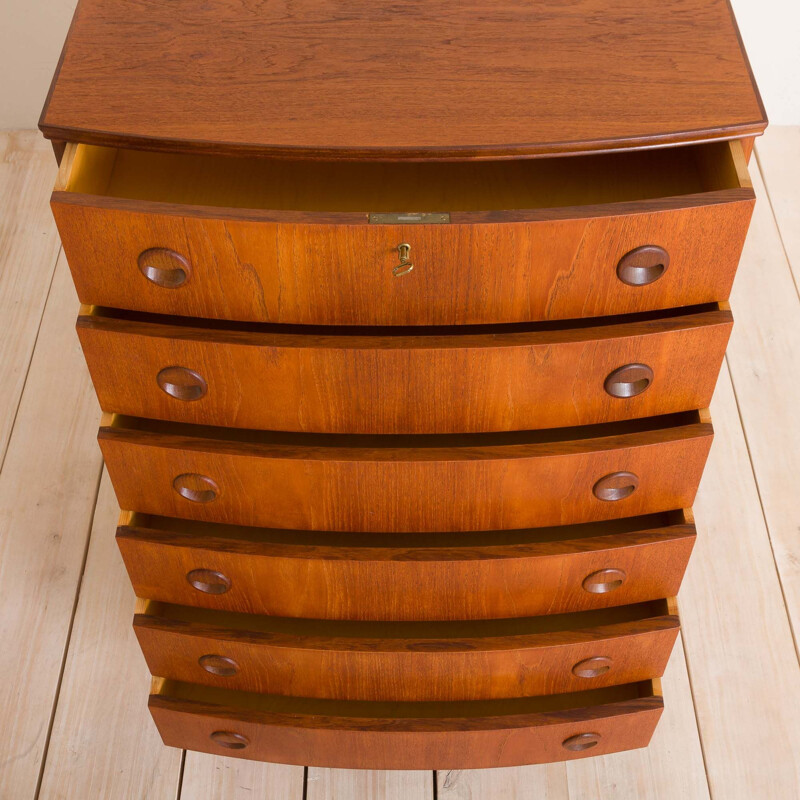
(164, 267)
(195, 487)
(219, 665)
(209, 581)
(230, 740)
(643, 265)
(581, 741)
(604, 581)
(592, 667)
(628, 381)
(616, 486)
(182, 383)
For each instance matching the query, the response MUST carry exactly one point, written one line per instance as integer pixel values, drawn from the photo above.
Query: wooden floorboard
(47, 495)
(104, 743)
(29, 246)
(207, 777)
(764, 357)
(741, 659)
(778, 155)
(344, 784)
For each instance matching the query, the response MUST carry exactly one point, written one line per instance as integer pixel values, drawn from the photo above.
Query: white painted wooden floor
(73, 684)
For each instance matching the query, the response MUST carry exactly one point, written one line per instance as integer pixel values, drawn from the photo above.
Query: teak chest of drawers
(404, 319)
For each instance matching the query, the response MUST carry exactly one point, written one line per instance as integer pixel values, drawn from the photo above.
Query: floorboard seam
(180, 775)
(694, 708)
(777, 223)
(65, 655)
(30, 361)
(763, 512)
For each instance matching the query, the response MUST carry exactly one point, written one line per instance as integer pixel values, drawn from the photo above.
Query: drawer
(406, 483)
(333, 380)
(407, 661)
(347, 576)
(315, 242)
(422, 735)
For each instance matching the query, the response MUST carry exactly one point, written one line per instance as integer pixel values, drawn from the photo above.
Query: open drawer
(408, 380)
(469, 482)
(391, 576)
(316, 242)
(387, 735)
(408, 661)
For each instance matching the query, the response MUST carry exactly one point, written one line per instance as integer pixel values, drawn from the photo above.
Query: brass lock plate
(410, 218)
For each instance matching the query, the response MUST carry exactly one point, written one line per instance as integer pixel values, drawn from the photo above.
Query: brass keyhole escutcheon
(405, 266)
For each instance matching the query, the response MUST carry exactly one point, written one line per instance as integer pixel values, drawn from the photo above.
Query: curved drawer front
(272, 242)
(411, 577)
(356, 735)
(331, 382)
(411, 661)
(404, 484)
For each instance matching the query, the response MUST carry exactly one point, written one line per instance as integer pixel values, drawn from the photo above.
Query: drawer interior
(319, 186)
(278, 704)
(468, 545)
(304, 632)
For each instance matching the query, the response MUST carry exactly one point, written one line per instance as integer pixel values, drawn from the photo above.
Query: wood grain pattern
(480, 79)
(765, 362)
(104, 678)
(407, 661)
(325, 784)
(405, 735)
(28, 250)
(755, 626)
(400, 577)
(333, 268)
(780, 173)
(47, 494)
(414, 484)
(327, 381)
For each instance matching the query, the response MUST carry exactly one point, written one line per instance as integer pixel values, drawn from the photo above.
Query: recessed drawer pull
(616, 486)
(209, 581)
(643, 265)
(164, 267)
(604, 580)
(581, 741)
(182, 383)
(592, 667)
(628, 381)
(230, 740)
(219, 665)
(197, 488)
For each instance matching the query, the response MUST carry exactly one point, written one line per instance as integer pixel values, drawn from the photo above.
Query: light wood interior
(237, 700)
(317, 186)
(477, 629)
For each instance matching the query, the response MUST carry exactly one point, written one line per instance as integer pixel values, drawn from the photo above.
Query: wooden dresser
(404, 318)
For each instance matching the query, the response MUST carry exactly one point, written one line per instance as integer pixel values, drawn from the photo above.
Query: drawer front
(341, 734)
(342, 274)
(479, 482)
(455, 383)
(258, 571)
(411, 661)
(291, 242)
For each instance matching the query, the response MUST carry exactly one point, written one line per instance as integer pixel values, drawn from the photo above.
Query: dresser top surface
(411, 79)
